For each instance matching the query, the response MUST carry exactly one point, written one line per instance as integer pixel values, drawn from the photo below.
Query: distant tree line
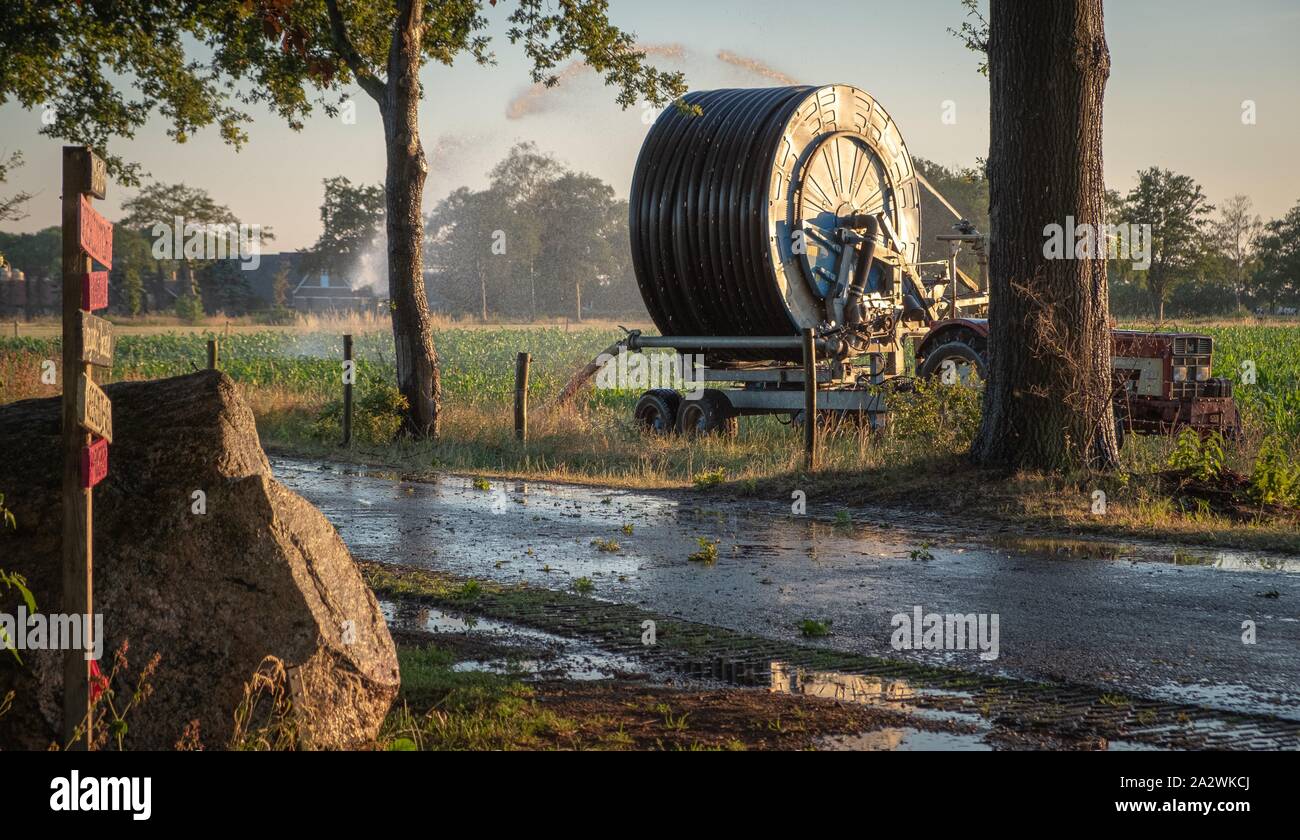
(541, 240)
(1205, 260)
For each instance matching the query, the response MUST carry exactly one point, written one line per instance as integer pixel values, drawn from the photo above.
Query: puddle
(530, 653)
(895, 694)
(1077, 610)
(1082, 549)
(1233, 697)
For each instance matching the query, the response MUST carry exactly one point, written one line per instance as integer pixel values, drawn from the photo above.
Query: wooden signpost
(94, 290)
(87, 414)
(96, 341)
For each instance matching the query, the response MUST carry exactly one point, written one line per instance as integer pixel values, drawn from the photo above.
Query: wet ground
(1145, 619)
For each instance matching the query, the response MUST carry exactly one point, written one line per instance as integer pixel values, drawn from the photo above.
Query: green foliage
(813, 628)
(1177, 210)
(11, 208)
(203, 64)
(352, 218)
(189, 308)
(1277, 276)
(708, 553)
(6, 515)
(938, 417)
(1204, 456)
(974, 33)
(707, 479)
(1275, 478)
(377, 413)
(11, 581)
(539, 240)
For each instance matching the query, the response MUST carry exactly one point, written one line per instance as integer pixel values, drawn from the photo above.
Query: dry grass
(350, 323)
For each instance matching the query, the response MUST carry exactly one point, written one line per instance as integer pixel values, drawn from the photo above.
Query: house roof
(261, 280)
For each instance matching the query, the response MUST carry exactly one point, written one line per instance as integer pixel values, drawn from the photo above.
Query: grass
(814, 629)
(708, 553)
(464, 710)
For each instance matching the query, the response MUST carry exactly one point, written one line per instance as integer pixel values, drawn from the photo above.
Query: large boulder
(261, 574)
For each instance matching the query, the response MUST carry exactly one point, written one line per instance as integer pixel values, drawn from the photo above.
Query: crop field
(477, 364)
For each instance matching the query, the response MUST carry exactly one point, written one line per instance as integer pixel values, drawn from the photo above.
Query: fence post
(521, 395)
(349, 376)
(213, 358)
(809, 399)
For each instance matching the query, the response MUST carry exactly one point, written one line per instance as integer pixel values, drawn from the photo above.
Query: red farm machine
(776, 236)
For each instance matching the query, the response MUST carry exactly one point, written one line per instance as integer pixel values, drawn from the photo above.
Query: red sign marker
(94, 290)
(94, 233)
(94, 463)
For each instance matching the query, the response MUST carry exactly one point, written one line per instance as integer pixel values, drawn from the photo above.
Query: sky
(1181, 70)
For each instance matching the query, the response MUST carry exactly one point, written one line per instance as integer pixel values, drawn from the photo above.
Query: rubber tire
(956, 350)
(656, 411)
(710, 414)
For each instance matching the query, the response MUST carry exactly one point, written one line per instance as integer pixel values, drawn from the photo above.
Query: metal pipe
(349, 377)
(522, 361)
(727, 342)
(809, 345)
(866, 253)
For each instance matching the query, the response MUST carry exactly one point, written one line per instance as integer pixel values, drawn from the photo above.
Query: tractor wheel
(710, 413)
(967, 363)
(656, 411)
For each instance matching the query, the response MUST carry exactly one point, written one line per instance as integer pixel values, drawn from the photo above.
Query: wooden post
(213, 358)
(85, 232)
(809, 399)
(349, 376)
(521, 395)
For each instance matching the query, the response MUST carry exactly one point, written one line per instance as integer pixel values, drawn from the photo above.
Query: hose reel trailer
(758, 214)
(740, 217)
(777, 231)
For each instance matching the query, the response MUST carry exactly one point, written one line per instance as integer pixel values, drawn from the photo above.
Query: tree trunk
(577, 289)
(417, 361)
(1048, 400)
(482, 295)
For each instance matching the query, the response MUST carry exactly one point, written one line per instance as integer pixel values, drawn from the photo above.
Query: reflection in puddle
(872, 691)
(1080, 549)
(896, 694)
(511, 649)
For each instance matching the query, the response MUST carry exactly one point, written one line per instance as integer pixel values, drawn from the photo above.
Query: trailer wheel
(656, 411)
(968, 362)
(710, 413)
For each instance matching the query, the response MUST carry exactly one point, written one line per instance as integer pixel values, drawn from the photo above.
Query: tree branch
(369, 82)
